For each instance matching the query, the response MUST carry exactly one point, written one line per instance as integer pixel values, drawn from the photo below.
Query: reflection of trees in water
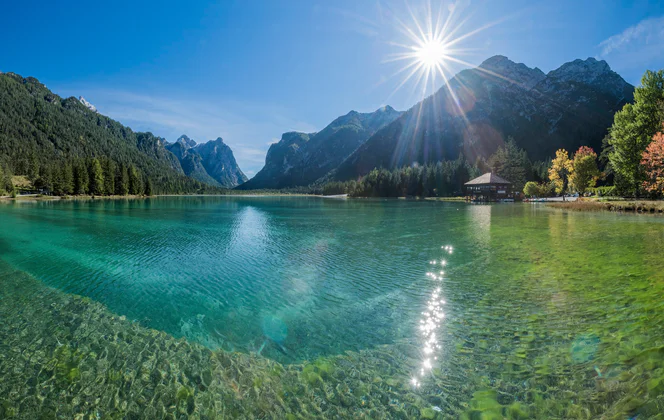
(480, 224)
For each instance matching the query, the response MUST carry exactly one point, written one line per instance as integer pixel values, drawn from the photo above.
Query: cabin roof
(487, 179)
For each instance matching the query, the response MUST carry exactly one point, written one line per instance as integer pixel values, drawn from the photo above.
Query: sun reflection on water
(430, 323)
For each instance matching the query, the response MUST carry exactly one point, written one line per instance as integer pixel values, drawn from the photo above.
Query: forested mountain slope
(41, 132)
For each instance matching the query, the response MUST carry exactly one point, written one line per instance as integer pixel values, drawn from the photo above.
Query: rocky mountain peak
(587, 71)
(591, 72)
(186, 141)
(518, 73)
(87, 104)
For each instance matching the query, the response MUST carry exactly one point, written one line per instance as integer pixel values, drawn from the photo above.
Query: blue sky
(250, 70)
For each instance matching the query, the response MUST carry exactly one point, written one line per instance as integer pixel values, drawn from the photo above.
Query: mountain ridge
(570, 106)
(299, 159)
(211, 162)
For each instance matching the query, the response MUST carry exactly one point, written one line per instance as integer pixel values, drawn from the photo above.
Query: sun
(430, 53)
(432, 47)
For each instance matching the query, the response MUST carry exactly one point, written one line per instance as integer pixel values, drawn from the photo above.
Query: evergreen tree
(3, 191)
(81, 178)
(58, 184)
(135, 187)
(96, 177)
(122, 181)
(67, 177)
(44, 181)
(33, 167)
(148, 187)
(511, 163)
(108, 167)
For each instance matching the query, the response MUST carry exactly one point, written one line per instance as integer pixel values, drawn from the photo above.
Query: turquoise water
(388, 309)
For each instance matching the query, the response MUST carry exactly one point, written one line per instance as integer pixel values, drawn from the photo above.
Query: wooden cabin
(489, 187)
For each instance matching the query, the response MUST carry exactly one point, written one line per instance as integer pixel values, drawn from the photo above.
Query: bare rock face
(566, 108)
(212, 163)
(87, 104)
(220, 164)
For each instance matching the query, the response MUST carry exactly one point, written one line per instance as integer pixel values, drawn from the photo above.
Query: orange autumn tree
(584, 170)
(653, 162)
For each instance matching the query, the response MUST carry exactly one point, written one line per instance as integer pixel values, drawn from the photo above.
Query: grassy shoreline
(633, 206)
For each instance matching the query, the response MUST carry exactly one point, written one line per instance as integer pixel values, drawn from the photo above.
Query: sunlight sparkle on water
(430, 323)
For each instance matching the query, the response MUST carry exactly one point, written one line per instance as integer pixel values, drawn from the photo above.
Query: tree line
(445, 178)
(93, 177)
(441, 179)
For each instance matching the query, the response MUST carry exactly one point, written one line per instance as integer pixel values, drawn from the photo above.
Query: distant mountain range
(301, 158)
(471, 116)
(566, 108)
(212, 162)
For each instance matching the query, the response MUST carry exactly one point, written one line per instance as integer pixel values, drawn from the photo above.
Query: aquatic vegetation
(539, 323)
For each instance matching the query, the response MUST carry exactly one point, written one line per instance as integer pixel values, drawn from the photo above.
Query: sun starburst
(434, 44)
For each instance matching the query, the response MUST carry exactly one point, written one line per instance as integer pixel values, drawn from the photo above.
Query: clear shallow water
(539, 313)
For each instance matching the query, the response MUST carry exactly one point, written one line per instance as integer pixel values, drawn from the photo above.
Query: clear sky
(250, 70)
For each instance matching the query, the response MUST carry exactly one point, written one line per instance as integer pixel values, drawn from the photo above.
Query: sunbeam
(431, 45)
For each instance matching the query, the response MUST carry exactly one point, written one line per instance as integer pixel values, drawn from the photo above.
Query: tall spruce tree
(81, 178)
(108, 166)
(96, 177)
(511, 163)
(67, 178)
(122, 181)
(135, 184)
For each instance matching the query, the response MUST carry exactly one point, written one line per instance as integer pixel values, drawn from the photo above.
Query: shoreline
(627, 206)
(33, 197)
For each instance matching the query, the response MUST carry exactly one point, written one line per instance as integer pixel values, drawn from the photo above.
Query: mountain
(40, 132)
(566, 108)
(219, 162)
(190, 161)
(212, 163)
(299, 159)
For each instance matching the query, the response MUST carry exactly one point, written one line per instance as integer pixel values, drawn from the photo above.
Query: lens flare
(434, 42)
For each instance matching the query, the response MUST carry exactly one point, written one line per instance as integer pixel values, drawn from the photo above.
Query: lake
(304, 307)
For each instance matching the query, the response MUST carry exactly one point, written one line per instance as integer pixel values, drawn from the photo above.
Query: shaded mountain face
(299, 159)
(566, 108)
(212, 163)
(219, 162)
(190, 160)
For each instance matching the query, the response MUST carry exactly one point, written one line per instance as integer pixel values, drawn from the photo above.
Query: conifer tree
(122, 181)
(108, 166)
(135, 187)
(67, 178)
(96, 177)
(81, 178)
